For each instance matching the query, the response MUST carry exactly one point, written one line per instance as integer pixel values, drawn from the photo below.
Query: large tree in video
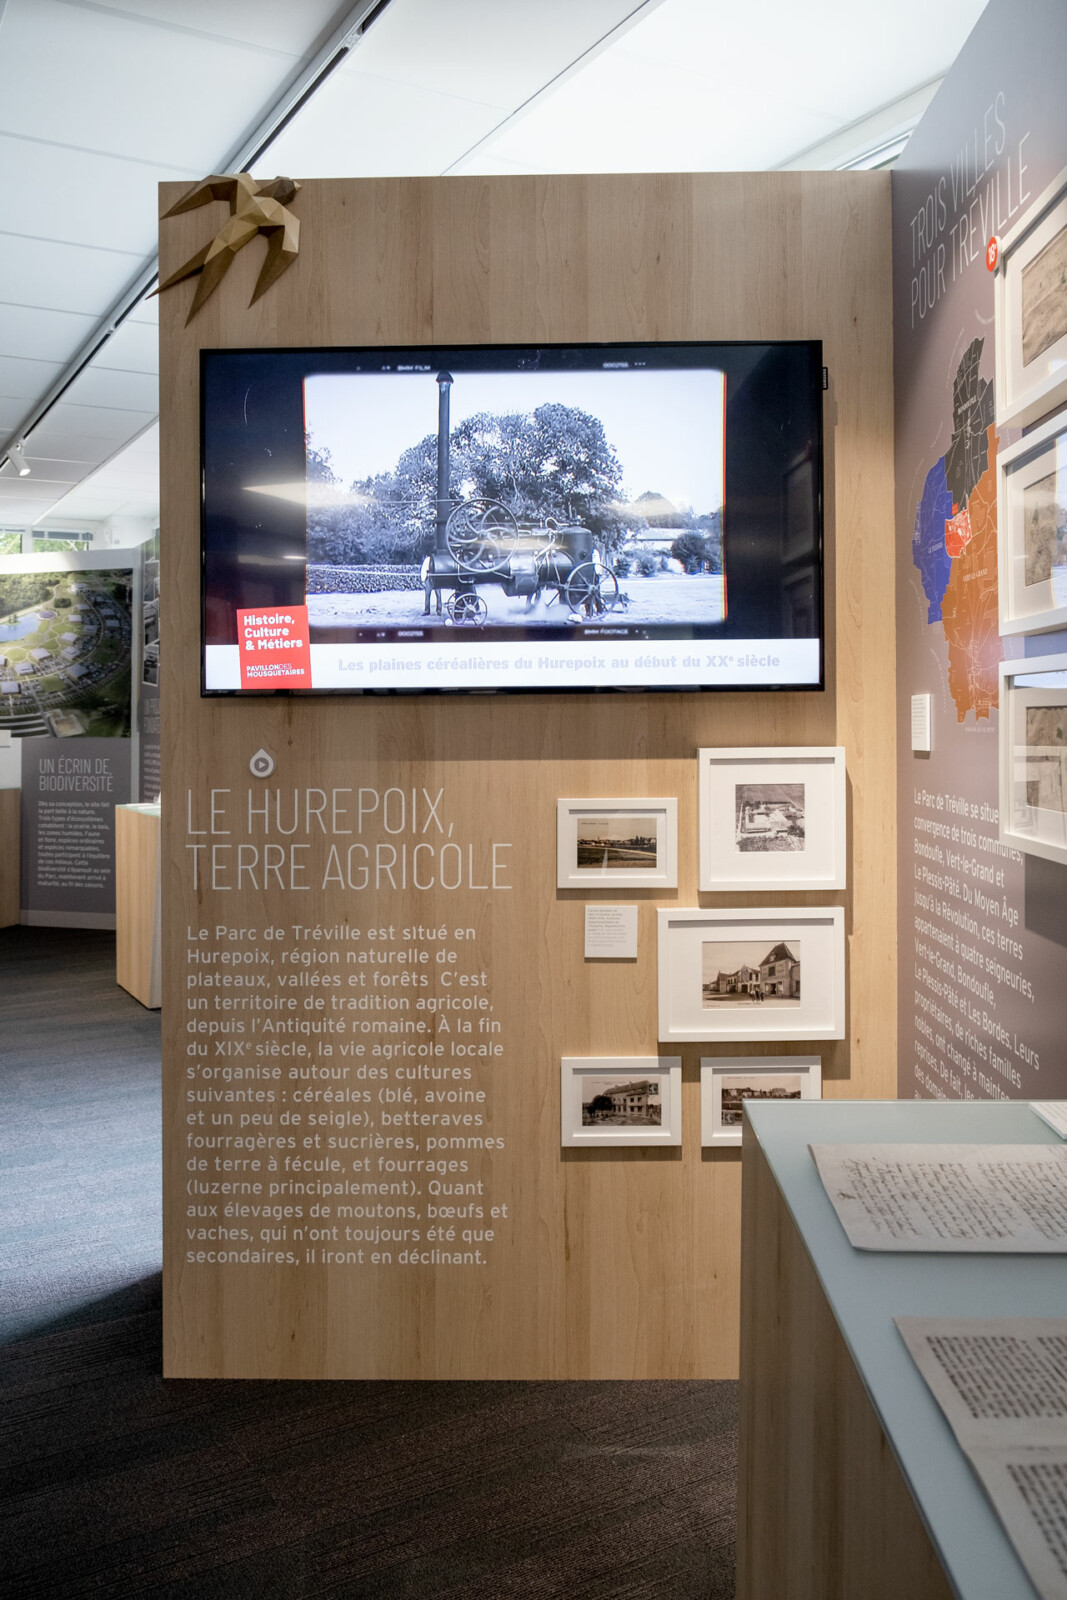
(553, 462)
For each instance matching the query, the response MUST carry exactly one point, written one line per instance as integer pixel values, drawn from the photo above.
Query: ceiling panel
(22, 379)
(87, 423)
(55, 438)
(821, 56)
(64, 277)
(71, 195)
(40, 335)
(18, 511)
(482, 50)
(12, 487)
(134, 347)
(121, 391)
(693, 86)
(277, 24)
(47, 467)
(150, 73)
(363, 126)
(146, 311)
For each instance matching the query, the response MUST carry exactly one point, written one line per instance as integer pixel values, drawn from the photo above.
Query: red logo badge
(992, 253)
(273, 641)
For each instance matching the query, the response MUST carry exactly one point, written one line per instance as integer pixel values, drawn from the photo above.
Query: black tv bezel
(437, 354)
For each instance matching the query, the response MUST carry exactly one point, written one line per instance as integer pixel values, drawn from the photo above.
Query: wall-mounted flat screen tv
(493, 518)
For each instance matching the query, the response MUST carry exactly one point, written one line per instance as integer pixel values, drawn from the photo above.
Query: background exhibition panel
(607, 1264)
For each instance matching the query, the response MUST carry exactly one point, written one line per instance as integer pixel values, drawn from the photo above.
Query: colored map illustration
(954, 545)
(65, 653)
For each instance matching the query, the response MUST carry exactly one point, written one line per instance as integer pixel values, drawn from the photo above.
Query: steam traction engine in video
(480, 541)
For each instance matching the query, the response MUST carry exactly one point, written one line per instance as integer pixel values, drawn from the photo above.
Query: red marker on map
(992, 253)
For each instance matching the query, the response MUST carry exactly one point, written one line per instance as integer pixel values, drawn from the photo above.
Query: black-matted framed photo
(772, 819)
(726, 1082)
(625, 843)
(620, 1101)
(1030, 301)
(751, 973)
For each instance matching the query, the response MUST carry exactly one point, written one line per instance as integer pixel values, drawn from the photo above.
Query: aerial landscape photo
(65, 642)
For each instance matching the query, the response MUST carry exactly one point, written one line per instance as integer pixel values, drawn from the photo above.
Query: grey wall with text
(982, 929)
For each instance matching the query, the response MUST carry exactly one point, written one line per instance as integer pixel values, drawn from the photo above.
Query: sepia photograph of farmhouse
(737, 1088)
(1044, 298)
(742, 972)
(618, 842)
(769, 816)
(1044, 527)
(621, 1103)
(1046, 757)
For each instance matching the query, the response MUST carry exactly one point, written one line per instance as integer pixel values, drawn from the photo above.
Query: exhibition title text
(349, 839)
(976, 199)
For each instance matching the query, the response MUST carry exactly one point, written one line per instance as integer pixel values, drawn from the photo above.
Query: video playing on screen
(494, 518)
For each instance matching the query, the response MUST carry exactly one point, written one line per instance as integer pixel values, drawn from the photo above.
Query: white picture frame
(751, 973)
(606, 824)
(625, 1126)
(1032, 554)
(772, 819)
(787, 1077)
(1031, 327)
(1033, 755)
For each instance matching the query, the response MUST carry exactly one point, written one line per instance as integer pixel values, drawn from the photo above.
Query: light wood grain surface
(137, 904)
(10, 834)
(823, 1512)
(615, 1264)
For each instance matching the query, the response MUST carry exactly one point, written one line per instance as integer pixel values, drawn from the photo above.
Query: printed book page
(1004, 1198)
(1002, 1384)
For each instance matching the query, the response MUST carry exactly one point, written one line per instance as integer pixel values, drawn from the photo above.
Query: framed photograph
(726, 1082)
(1030, 298)
(616, 1101)
(772, 819)
(750, 973)
(626, 844)
(1033, 755)
(1032, 530)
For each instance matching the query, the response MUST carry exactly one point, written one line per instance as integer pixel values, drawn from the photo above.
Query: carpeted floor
(118, 1484)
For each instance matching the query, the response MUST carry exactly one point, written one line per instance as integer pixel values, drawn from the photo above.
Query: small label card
(611, 933)
(920, 723)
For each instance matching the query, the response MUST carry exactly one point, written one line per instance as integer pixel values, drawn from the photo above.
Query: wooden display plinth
(137, 920)
(10, 833)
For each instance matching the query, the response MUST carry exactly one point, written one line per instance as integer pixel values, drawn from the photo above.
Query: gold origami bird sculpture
(254, 208)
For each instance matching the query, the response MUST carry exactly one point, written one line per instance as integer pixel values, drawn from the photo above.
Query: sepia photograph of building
(741, 971)
(737, 1088)
(618, 842)
(1044, 298)
(633, 1103)
(1044, 528)
(769, 816)
(1046, 757)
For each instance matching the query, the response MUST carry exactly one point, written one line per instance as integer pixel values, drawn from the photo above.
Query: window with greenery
(60, 541)
(10, 541)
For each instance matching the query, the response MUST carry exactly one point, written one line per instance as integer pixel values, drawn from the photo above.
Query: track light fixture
(17, 456)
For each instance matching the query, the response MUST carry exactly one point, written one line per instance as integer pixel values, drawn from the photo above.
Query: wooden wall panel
(10, 825)
(823, 1510)
(617, 1264)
